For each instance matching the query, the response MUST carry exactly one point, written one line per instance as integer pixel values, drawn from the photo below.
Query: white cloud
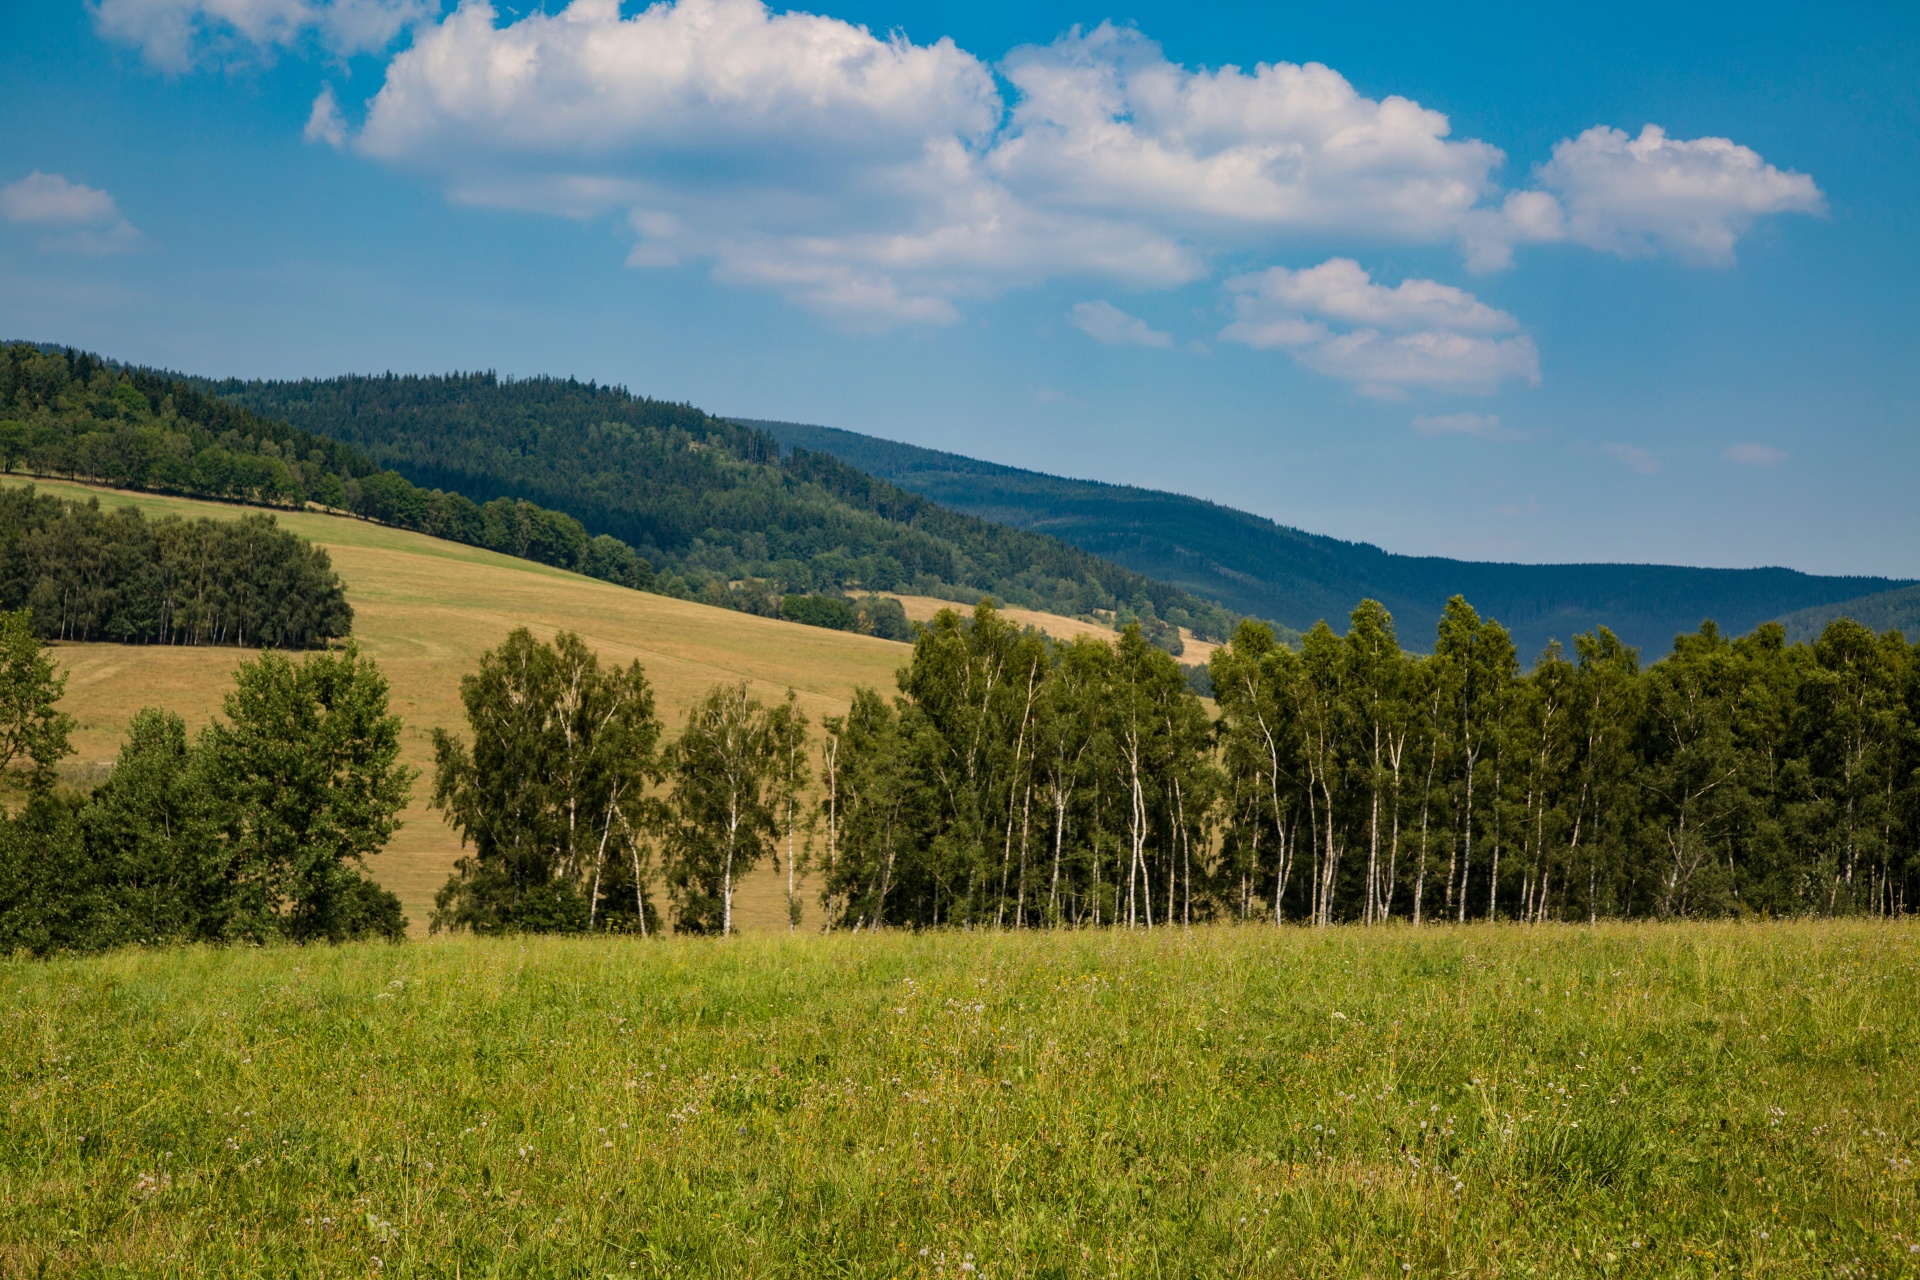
(1418, 334)
(175, 35)
(1104, 322)
(1341, 289)
(1459, 424)
(882, 181)
(76, 217)
(1755, 455)
(1638, 196)
(324, 122)
(1106, 124)
(1632, 457)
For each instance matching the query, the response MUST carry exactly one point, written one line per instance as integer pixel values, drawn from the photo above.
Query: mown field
(426, 610)
(1486, 1101)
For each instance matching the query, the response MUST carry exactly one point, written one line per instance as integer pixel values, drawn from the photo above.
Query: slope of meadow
(1632, 1101)
(425, 610)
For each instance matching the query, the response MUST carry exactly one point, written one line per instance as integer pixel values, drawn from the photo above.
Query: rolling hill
(1896, 610)
(1256, 566)
(715, 506)
(425, 609)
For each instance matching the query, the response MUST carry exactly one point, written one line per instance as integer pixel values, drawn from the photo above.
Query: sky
(1518, 282)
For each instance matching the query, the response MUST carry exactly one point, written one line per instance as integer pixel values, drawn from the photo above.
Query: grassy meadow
(426, 610)
(1650, 1100)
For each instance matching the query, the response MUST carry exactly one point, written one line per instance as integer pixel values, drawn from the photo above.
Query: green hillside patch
(710, 503)
(1621, 1101)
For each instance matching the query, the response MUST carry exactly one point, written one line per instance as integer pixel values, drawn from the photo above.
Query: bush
(830, 612)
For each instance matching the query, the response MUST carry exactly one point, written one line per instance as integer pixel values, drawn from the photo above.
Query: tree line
(1011, 782)
(1015, 782)
(89, 574)
(71, 414)
(256, 829)
(1345, 779)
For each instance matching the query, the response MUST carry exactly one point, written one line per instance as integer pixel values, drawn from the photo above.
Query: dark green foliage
(725, 811)
(831, 612)
(307, 767)
(65, 413)
(1267, 570)
(33, 731)
(90, 574)
(709, 501)
(551, 793)
(1018, 783)
(882, 616)
(259, 830)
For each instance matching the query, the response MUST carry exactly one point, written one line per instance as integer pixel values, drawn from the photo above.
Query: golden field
(426, 610)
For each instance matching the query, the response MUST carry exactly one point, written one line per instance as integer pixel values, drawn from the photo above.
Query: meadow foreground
(1625, 1100)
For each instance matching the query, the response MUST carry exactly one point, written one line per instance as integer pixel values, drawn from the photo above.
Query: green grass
(1487, 1101)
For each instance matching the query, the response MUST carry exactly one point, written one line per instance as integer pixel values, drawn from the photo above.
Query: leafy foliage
(726, 805)
(551, 793)
(89, 574)
(257, 830)
(1016, 782)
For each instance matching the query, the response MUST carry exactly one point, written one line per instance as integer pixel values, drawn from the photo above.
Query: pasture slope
(1490, 1101)
(426, 610)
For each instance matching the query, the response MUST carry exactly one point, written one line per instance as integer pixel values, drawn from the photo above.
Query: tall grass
(1491, 1101)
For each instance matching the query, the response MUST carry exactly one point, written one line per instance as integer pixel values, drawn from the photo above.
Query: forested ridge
(1267, 570)
(71, 414)
(710, 503)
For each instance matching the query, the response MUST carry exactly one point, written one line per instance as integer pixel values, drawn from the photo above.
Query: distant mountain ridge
(1896, 610)
(1255, 566)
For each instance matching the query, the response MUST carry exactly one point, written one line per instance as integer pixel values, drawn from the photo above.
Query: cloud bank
(880, 182)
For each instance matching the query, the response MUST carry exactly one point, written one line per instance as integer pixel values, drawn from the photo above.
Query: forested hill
(1258, 567)
(709, 502)
(1896, 610)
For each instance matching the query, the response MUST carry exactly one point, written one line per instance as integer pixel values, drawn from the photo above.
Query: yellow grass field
(922, 608)
(425, 610)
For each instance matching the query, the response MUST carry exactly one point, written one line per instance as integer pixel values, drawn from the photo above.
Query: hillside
(711, 504)
(425, 610)
(1896, 610)
(1255, 566)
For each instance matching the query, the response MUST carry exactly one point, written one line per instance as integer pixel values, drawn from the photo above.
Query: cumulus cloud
(75, 217)
(883, 181)
(1105, 123)
(1755, 455)
(175, 35)
(1693, 198)
(1632, 457)
(1418, 334)
(1106, 323)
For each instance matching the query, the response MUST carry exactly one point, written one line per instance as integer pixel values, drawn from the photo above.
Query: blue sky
(1401, 274)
